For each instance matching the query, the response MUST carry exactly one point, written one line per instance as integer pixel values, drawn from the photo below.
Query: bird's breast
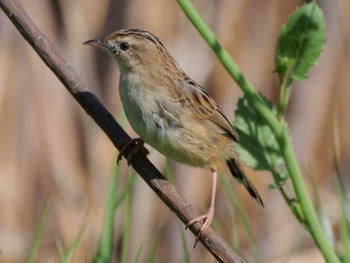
(142, 108)
(158, 120)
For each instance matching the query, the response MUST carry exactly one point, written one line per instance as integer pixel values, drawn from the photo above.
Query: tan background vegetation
(48, 145)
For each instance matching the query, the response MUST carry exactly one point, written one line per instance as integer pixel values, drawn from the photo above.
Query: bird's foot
(136, 143)
(206, 219)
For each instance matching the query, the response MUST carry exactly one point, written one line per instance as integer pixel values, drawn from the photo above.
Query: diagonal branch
(93, 107)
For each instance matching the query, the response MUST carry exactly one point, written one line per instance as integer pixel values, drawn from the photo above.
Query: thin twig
(89, 102)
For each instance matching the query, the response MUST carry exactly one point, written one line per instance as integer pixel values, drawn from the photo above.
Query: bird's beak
(102, 43)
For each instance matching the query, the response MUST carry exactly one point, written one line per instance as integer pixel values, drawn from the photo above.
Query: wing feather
(205, 108)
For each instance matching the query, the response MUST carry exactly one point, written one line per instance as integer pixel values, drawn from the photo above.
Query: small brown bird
(170, 111)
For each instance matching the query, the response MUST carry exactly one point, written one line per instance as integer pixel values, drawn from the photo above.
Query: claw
(206, 219)
(138, 146)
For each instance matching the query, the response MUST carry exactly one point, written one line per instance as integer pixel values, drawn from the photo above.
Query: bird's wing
(205, 108)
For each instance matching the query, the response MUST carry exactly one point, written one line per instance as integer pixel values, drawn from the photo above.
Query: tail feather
(237, 172)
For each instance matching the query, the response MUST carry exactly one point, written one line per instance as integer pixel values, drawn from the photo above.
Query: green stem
(280, 113)
(105, 250)
(278, 128)
(344, 221)
(126, 227)
(39, 231)
(285, 90)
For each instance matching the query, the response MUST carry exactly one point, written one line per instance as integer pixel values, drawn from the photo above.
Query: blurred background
(49, 146)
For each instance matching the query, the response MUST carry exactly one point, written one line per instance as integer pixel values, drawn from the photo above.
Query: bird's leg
(136, 143)
(208, 217)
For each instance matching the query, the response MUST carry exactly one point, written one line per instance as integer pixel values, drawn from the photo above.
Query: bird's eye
(124, 46)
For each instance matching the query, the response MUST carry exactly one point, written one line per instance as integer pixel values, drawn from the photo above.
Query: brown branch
(89, 102)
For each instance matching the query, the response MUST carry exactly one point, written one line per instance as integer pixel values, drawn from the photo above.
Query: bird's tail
(237, 172)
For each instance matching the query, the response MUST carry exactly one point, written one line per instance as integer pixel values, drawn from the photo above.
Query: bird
(171, 112)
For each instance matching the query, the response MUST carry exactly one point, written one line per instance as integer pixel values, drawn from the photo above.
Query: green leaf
(257, 146)
(300, 42)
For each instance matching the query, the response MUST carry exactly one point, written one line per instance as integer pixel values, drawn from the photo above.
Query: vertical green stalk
(343, 200)
(279, 129)
(242, 215)
(39, 231)
(105, 249)
(126, 226)
(305, 202)
(66, 256)
(186, 253)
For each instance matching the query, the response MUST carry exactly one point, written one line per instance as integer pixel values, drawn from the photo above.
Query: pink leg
(208, 217)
